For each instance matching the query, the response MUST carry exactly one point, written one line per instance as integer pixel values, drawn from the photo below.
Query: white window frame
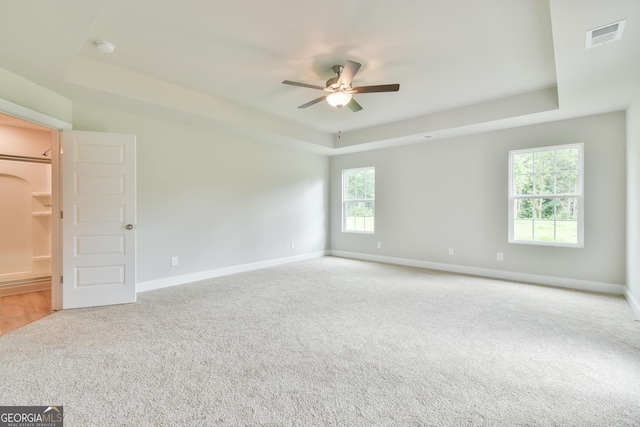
(579, 195)
(345, 172)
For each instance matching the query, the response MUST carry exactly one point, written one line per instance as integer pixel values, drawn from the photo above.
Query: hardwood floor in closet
(22, 309)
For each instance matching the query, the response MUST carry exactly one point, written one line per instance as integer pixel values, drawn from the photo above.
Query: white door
(99, 219)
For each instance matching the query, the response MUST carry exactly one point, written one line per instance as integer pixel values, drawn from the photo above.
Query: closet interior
(25, 207)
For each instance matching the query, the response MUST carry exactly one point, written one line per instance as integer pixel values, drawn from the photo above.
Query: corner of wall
(633, 206)
(634, 303)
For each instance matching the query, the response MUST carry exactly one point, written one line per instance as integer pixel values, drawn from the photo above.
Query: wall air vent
(606, 34)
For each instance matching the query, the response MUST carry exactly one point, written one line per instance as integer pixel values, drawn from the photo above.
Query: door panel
(99, 245)
(98, 175)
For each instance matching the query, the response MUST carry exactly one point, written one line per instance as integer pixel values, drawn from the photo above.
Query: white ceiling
(463, 65)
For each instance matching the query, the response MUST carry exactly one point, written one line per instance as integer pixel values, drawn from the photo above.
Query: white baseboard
(583, 285)
(635, 305)
(218, 272)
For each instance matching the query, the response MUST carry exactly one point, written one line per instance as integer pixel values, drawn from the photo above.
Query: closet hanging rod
(24, 159)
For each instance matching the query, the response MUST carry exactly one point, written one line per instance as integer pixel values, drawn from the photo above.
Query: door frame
(56, 126)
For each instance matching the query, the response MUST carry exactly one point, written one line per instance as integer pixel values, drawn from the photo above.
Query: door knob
(129, 226)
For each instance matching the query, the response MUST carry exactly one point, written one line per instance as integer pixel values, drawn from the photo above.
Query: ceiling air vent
(606, 34)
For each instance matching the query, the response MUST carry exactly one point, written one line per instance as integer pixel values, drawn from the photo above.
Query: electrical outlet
(450, 251)
(500, 256)
(293, 245)
(174, 261)
(379, 245)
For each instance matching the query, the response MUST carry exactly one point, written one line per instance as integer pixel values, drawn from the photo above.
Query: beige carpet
(335, 342)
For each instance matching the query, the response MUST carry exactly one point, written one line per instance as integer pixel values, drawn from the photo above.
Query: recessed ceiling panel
(241, 51)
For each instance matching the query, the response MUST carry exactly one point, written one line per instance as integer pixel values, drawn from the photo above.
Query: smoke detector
(605, 34)
(105, 47)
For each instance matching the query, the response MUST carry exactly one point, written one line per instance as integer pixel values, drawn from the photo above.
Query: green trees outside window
(358, 199)
(545, 195)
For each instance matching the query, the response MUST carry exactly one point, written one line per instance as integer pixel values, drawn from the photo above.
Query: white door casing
(99, 219)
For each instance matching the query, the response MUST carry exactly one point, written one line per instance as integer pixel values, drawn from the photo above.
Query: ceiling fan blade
(348, 73)
(354, 106)
(315, 101)
(289, 82)
(377, 88)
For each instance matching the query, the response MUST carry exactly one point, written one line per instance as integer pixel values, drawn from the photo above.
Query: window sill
(557, 244)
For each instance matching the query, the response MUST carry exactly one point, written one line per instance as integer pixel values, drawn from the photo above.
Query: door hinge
(61, 280)
(61, 215)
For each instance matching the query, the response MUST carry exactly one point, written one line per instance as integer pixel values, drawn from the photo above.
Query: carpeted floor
(335, 342)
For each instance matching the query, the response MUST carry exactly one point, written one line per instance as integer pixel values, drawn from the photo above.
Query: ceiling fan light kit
(340, 88)
(339, 99)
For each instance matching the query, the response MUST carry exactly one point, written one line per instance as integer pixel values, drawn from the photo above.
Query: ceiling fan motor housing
(332, 83)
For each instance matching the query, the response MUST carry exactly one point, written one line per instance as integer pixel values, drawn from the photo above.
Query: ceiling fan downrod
(332, 83)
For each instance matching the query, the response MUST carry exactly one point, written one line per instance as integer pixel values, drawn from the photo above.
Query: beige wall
(453, 194)
(216, 200)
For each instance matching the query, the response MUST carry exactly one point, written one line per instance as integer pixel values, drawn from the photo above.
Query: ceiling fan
(340, 90)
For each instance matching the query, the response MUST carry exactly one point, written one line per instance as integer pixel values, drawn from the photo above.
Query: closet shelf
(41, 258)
(41, 213)
(41, 194)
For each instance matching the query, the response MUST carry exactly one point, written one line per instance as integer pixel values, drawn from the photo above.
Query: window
(358, 200)
(546, 196)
